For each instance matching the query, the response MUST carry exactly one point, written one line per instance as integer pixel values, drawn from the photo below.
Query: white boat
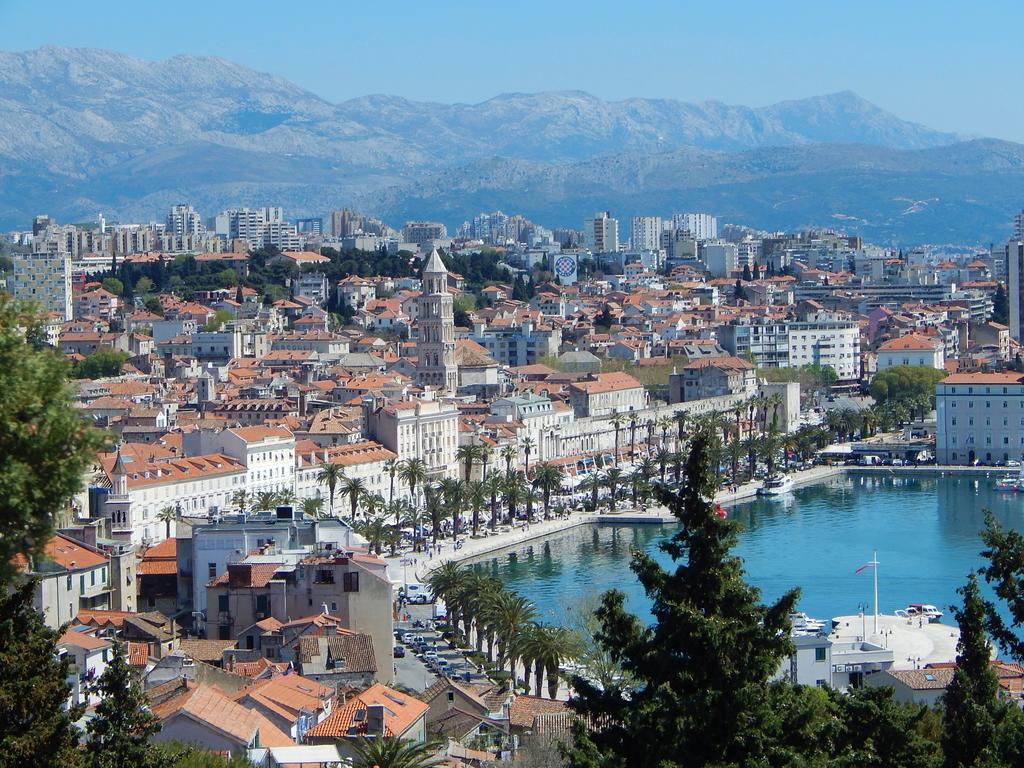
(777, 484)
(929, 613)
(1010, 483)
(801, 622)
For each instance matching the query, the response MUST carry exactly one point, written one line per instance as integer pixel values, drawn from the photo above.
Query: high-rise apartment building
(1015, 286)
(183, 219)
(45, 280)
(703, 226)
(1018, 226)
(253, 225)
(601, 233)
(645, 233)
(421, 232)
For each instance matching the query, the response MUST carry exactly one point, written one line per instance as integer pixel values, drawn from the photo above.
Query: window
(261, 604)
(819, 654)
(350, 582)
(223, 604)
(212, 570)
(68, 585)
(81, 583)
(334, 606)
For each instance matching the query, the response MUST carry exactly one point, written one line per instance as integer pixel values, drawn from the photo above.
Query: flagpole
(874, 563)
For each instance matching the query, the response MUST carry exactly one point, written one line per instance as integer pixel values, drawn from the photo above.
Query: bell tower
(436, 348)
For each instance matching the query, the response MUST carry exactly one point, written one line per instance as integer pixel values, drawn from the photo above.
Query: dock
(913, 643)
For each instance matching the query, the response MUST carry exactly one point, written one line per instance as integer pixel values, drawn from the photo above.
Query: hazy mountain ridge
(87, 130)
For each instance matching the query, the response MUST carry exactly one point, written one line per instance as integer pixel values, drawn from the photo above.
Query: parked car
(399, 652)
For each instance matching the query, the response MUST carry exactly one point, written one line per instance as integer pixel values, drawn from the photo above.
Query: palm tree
(528, 445)
(285, 497)
(593, 483)
(632, 438)
(509, 454)
(468, 454)
(664, 424)
(680, 418)
(494, 484)
(486, 452)
(510, 614)
(240, 500)
(313, 506)
(329, 475)
(617, 422)
(414, 474)
(751, 445)
(548, 478)
(374, 530)
(433, 503)
(454, 492)
(612, 479)
(513, 490)
(662, 457)
(391, 467)
(167, 515)
(476, 497)
(265, 501)
(677, 465)
(548, 647)
(392, 752)
(355, 489)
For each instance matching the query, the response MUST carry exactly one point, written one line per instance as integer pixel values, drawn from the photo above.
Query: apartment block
(980, 418)
(45, 280)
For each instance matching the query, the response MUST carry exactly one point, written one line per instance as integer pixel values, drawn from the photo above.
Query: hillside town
(305, 416)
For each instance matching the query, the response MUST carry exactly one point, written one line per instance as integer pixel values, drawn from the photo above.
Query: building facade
(980, 418)
(45, 280)
(435, 366)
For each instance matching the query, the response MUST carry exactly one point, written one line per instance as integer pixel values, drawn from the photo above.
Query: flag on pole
(866, 565)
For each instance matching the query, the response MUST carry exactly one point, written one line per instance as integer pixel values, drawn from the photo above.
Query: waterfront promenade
(414, 567)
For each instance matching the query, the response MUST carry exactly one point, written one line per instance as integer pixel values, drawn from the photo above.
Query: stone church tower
(436, 347)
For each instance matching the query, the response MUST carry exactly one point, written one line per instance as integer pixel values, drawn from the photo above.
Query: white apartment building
(517, 343)
(607, 393)
(980, 417)
(645, 233)
(912, 349)
(183, 219)
(702, 226)
(542, 421)
(267, 453)
(71, 576)
(140, 489)
(421, 232)
(601, 233)
(250, 224)
(826, 342)
(426, 429)
(721, 258)
(360, 461)
(45, 280)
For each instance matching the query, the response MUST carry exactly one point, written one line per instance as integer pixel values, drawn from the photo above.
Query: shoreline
(475, 549)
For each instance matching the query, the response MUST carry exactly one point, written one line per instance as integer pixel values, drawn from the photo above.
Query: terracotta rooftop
(207, 705)
(401, 712)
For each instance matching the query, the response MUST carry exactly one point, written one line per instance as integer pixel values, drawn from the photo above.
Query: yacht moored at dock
(776, 484)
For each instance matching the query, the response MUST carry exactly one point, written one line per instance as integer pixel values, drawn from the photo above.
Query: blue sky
(952, 66)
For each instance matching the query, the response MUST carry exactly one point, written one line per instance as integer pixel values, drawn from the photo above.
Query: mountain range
(83, 131)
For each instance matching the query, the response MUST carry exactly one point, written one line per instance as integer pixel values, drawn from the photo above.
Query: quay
(913, 643)
(415, 566)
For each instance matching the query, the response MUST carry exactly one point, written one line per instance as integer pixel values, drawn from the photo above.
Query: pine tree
(1001, 305)
(35, 729)
(701, 695)
(119, 733)
(972, 710)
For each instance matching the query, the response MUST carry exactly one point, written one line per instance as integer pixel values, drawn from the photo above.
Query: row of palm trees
(504, 626)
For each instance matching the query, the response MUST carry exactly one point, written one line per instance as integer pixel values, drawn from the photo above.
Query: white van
(418, 594)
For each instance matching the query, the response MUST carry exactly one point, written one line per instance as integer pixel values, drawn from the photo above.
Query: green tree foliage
(219, 319)
(177, 755)
(905, 383)
(1001, 305)
(101, 364)
(120, 732)
(392, 752)
(1004, 551)
(45, 446)
(693, 703)
(143, 286)
(35, 729)
(113, 285)
(971, 709)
